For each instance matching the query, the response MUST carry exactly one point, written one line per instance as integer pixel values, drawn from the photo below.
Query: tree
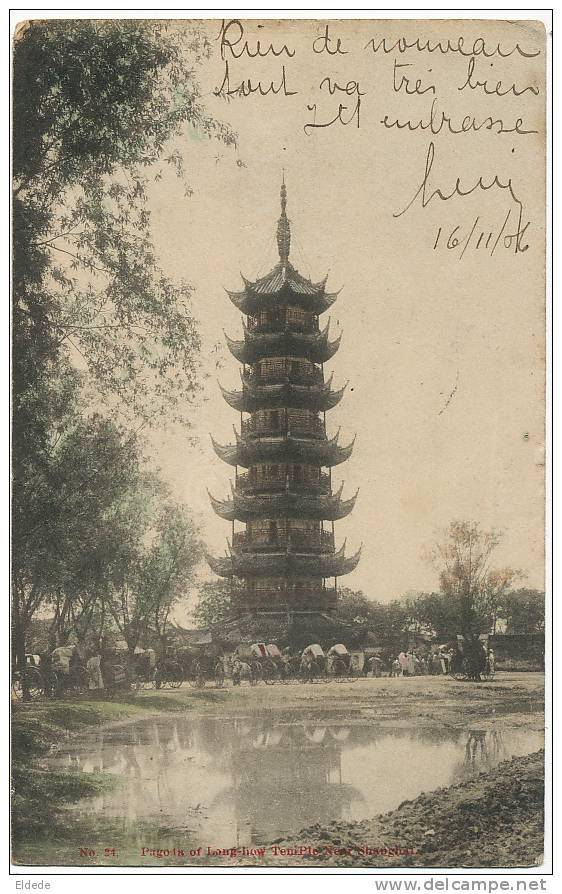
(97, 106)
(214, 603)
(167, 565)
(60, 549)
(386, 620)
(495, 589)
(436, 613)
(524, 611)
(462, 559)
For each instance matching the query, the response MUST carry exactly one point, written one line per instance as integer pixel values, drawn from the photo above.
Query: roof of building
(246, 507)
(314, 346)
(284, 563)
(286, 448)
(284, 281)
(318, 398)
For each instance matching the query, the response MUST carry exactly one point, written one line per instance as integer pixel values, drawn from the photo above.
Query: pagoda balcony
(313, 427)
(318, 541)
(282, 325)
(274, 483)
(285, 371)
(295, 598)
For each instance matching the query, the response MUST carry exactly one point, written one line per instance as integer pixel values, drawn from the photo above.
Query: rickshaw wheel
(34, 682)
(339, 670)
(175, 675)
(460, 676)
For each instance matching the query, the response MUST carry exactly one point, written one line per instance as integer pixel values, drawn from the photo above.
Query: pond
(244, 780)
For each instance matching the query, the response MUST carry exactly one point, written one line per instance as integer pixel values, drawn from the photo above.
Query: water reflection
(221, 781)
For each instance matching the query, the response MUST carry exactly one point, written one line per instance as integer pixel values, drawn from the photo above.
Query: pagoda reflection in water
(285, 778)
(285, 556)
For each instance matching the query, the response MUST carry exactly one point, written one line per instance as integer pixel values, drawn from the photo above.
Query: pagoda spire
(283, 227)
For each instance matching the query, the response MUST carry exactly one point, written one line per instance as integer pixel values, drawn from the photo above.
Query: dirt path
(514, 698)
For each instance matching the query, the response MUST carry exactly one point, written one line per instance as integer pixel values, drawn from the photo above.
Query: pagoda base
(296, 629)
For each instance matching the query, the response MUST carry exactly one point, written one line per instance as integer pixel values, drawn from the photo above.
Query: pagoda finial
(283, 227)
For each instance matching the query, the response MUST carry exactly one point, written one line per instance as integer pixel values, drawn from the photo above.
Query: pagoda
(284, 558)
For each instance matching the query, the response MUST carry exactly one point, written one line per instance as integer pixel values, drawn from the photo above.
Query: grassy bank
(39, 796)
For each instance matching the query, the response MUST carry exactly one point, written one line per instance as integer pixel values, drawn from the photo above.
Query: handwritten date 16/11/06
(479, 238)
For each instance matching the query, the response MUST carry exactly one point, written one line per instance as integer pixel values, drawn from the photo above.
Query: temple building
(282, 556)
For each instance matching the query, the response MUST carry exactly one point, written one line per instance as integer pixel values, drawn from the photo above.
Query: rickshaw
(144, 662)
(313, 664)
(32, 676)
(470, 660)
(340, 665)
(67, 671)
(169, 672)
(116, 672)
(267, 662)
(246, 664)
(206, 665)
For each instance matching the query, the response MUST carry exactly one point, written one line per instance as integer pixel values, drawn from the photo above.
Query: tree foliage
(100, 109)
(462, 560)
(97, 107)
(523, 610)
(214, 601)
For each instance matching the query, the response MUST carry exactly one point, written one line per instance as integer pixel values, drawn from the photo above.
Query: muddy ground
(494, 819)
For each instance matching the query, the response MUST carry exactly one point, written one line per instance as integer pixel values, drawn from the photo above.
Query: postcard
(278, 453)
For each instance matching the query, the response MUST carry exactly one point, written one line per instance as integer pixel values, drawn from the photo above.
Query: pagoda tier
(283, 558)
(286, 284)
(318, 398)
(286, 564)
(315, 346)
(321, 507)
(247, 451)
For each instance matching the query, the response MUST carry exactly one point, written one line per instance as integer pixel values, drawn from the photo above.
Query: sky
(444, 354)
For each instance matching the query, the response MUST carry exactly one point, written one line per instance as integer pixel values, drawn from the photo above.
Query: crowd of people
(409, 663)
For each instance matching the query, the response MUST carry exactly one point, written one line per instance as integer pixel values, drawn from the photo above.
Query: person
(375, 664)
(93, 668)
(403, 663)
(307, 665)
(491, 662)
(395, 669)
(411, 657)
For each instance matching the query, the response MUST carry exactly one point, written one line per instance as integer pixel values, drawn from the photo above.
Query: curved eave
(288, 449)
(253, 337)
(285, 278)
(286, 563)
(319, 398)
(315, 346)
(251, 304)
(245, 508)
